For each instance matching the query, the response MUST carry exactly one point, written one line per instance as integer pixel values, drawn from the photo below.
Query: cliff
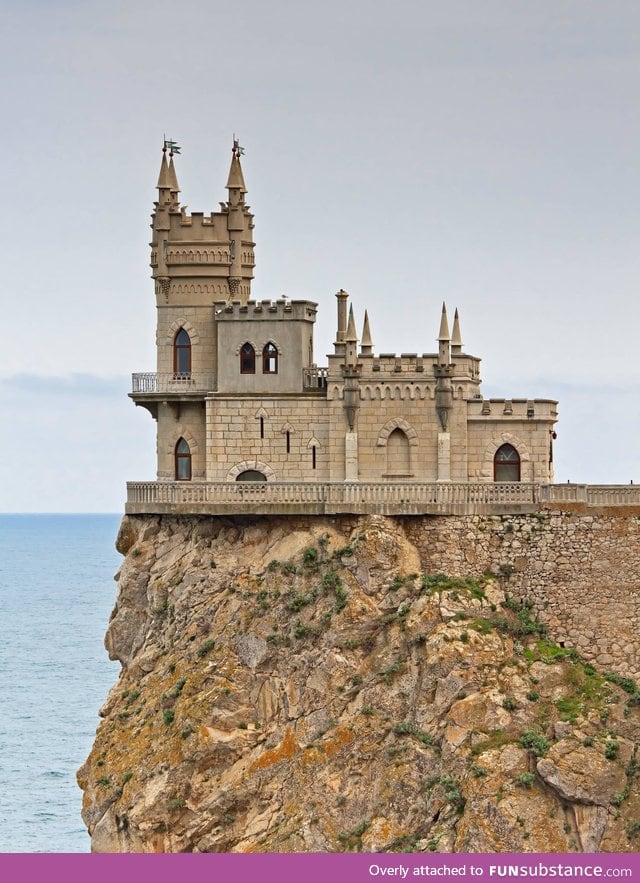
(319, 684)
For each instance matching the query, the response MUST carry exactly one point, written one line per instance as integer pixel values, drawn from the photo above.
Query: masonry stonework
(580, 571)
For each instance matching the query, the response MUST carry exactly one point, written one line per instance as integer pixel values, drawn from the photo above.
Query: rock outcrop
(301, 684)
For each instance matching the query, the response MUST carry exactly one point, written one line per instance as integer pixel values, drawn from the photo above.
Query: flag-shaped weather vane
(171, 146)
(236, 149)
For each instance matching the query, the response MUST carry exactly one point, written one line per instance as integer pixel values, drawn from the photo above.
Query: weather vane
(171, 146)
(236, 149)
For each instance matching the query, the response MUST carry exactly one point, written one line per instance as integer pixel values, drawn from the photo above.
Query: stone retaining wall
(581, 571)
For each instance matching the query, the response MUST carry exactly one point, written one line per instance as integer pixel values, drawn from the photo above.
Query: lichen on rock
(307, 684)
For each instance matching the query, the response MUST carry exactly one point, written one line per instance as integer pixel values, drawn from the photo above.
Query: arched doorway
(506, 464)
(251, 475)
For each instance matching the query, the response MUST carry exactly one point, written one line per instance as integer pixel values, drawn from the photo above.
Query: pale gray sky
(482, 153)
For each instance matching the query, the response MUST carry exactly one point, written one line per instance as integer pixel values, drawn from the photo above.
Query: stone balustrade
(150, 382)
(384, 498)
(314, 377)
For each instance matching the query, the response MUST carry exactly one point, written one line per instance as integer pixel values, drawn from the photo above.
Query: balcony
(312, 498)
(370, 498)
(314, 378)
(150, 383)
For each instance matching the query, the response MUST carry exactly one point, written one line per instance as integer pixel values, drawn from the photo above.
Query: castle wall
(288, 325)
(234, 439)
(580, 572)
(176, 420)
(198, 322)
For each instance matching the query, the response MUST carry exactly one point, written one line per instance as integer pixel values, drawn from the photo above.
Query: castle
(238, 395)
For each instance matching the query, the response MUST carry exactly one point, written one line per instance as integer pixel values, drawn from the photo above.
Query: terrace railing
(150, 382)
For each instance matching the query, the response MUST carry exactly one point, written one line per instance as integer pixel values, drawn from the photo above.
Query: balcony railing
(320, 498)
(390, 498)
(150, 382)
(314, 377)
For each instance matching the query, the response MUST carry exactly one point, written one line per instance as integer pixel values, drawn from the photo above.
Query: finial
(171, 146)
(351, 327)
(236, 178)
(456, 337)
(236, 149)
(443, 334)
(366, 344)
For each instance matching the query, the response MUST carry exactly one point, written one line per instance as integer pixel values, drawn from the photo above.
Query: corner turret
(239, 225)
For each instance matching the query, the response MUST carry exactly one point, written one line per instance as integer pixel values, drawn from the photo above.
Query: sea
(56, 594)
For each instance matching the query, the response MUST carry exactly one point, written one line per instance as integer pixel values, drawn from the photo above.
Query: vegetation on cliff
(294, 684)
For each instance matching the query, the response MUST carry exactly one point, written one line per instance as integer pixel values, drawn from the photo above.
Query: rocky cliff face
(293, 684)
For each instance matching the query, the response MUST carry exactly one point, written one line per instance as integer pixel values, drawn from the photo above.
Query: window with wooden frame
(506, 464)
(247, 359)
(270, 359)
(182, 354)
(183, 461)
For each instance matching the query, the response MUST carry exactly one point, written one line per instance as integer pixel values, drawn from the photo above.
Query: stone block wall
(580, 571)
(234, 437)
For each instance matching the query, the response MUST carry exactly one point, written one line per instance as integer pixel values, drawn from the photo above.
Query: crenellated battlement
(514, 409)
(259, 310)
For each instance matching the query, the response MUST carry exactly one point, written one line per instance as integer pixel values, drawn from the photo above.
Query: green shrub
(310, 556)
(611, 749)
(533, 695)
(176, 803)
(411, 729)
(509, 703)
(535, 742)
(525, 780)
(205, 648)
(168, 715)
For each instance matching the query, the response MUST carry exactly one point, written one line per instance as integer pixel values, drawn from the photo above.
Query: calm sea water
(56, 593)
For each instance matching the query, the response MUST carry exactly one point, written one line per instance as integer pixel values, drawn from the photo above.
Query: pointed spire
(235, 180)
(351, 327)
(367, 344)
(164, 178)
(443, 334)
(456, 337)
(173, 178)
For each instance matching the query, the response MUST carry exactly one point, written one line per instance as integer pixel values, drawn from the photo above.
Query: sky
(480, 153)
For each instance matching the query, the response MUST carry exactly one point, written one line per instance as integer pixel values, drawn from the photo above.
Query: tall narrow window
(247, 359)
(182, 354)
(398, 454)
(313, 457)
(270, 359)
(262, 427)
(289, 442)
(506, 464)
(183, 461)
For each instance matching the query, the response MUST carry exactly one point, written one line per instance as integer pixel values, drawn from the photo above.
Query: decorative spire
(367, 344)
(351, 336)
(164, 178)
(443, 334)
(173, 178)
(456, 337)
(236, 178)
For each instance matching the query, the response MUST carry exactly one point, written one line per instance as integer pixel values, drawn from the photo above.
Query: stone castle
(238, 395)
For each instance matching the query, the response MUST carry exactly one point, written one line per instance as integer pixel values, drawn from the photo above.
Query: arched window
(506, 464)
(398, 456)
(183, 461)
(182, 354)
(251, 475)
(270, 359)
(247, 359)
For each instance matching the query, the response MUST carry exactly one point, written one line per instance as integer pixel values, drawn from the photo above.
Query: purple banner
(313, 868)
